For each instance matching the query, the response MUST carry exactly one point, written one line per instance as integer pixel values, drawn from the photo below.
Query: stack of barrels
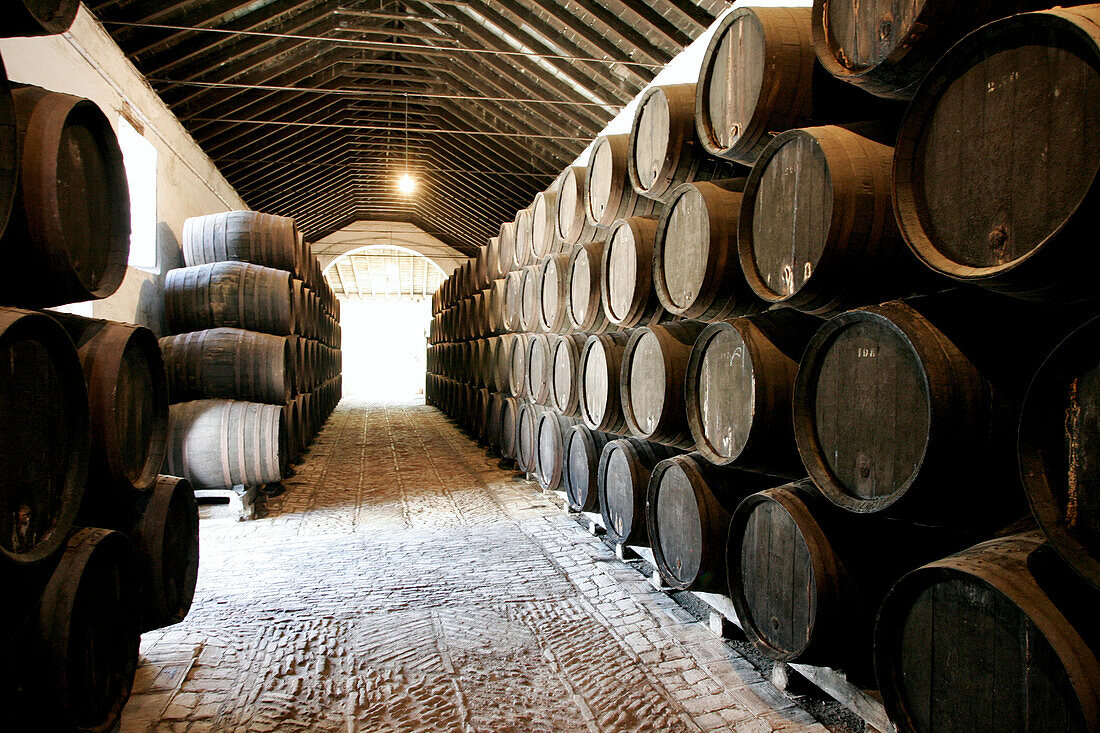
(830, 354)
(254, 367)
(96, 546)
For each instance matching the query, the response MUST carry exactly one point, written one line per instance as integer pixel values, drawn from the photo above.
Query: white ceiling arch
(365, 233)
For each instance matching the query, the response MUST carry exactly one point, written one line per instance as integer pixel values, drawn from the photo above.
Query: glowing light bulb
(406, 184)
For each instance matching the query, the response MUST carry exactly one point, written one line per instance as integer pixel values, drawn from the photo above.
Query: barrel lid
(649, 138)
(579, 469)
(675, 526)
(721, 368)
(731, 79)
(684, 247)
(594, 381)
(619, 487)
(569, 200)
(620, 272)
(644, 381)
(580, 285)
(603, 171)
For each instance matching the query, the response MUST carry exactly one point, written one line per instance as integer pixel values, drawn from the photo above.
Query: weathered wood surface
(601, 360)
(550, 458)
(651, 382)
(572, 222)
(233, 364)
(224, 443)
(230, 294)
(585, 269)
(608, 195)
(166, 545)
(622, 481)
(565, 373)
(583, 447)
(242, 236)
(626, 274)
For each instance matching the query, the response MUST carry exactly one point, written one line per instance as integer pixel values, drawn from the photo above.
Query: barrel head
(646, 383)
(686, 248)
(678, 530)
(726, 394)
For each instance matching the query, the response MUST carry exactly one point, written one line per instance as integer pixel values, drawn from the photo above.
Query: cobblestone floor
(405, 583)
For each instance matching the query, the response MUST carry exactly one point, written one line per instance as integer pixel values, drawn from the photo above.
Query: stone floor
(403, 582)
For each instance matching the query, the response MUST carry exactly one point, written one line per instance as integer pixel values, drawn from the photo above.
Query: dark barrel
(229, 363)
(760, 76)
(816, 231)
(886, 48)
(513, 300)
(608, 194)
(492, 428)
(554, 293)
(9, 150)
(38, 17)
(232, 294)
(1059, 446)
(517, 365)
(565, 359)
(166, 543)
(688, 506)
(43, 436)
(242, 236)
(86, 635)
(68, 237)
(997, 637)
(219, 444)
(509, 417)
(572, 222)
(696, 270)
(738, 386)
(584, 270)
(622, 481)
(551, 432)
(582, 459)
(127, 402)
(651, 382)
(530, 299)
(601, 360)
(527, 436)
(626, 282)
(994, 171)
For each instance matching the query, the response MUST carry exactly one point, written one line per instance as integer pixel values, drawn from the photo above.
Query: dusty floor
(405, 583)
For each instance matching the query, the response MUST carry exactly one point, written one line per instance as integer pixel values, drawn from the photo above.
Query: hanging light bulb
(406, 184)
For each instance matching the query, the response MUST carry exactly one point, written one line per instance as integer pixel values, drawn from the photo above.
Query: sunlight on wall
(384, 346)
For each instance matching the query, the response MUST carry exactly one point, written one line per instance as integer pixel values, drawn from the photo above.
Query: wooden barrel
(572, 222)
(608, 194)
(86, 635)
(127, 403)
(219, 444)
(626, 281)
(166, 545)
(517, 369)
(688, 507)
(68, 237)
(738, 387)
(540, 367)
(891, 416)
(544, 223)
(491, 260)
(554, 293)
(760, 76)
(584, 311)
(513, 300)
(622, 481)
(527, 436)
(230, 363)
(495, 297)
(38, 17)
(565, 359)
(43, 437)
(664, 149)
(481, 416)
(529, 299)
(492, 428)
(9, 150)
(525, 252)
(1058, 445)
(509, 417)
(994, 175)
(651, 382)
(506, 240)
(242, 236)
(552, 430)
(598, 382)
(481, 268)
(696, 273)
(997, 637)
(231, 294)
(816, 231)
(582, 460)
(887, 50)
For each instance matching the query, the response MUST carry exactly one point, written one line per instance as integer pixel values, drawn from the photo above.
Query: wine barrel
(527, 437)
(492, 429)
(551, 432)
(231, 364)
(738, 386)
(517, 361)
(891, 416)
(506, 239)
(529, 299)
(651, 382)
(816, 231)
(494, 270)
(539, 368)
(664, 149)
(544, 223)
(525, 252)
(242, 236)
(565, 359)
(9, 150)
(994, 174)
(584, 274)
(582, 459)
(626, 282)
(509, 423)
(997, 637)
(608, 194)
(231, 294)
(1058, 445)
(86, 635)
(43, 437)
(166, 545)
(688, 507)
(495, 305)
(513, 300)
(68, 236)
(553, 310)
(760, 76)
(622, 481)
(887, 50)
(572, 222)
(38, 17)
(598, 382)
(219, 444)
(696, 273)
(127, 403)
(481, 416)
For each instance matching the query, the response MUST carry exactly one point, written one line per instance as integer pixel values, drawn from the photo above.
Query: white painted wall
(88, 63)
